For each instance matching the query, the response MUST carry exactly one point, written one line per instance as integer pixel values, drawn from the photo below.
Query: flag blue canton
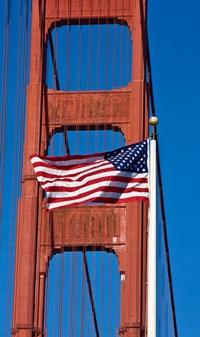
(131, 158)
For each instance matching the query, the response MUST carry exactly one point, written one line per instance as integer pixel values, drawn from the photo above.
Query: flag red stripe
(73, 189)
(98, 200)
(75, 164)
(113, 189)
(110, 180)
(84, 173)
(120, 179)
(67, 158)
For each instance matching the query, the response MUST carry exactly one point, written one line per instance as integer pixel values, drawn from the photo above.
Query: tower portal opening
(89, 57)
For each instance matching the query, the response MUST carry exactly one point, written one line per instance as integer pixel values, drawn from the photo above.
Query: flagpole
(151, 257)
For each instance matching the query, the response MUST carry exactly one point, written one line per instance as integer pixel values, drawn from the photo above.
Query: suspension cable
(152, 104)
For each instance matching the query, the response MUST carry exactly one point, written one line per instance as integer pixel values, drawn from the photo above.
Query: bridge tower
(47, 112)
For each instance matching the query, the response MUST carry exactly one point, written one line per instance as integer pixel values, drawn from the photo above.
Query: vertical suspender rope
(3, 108)
(5, 112)
(90, 294)
(15, 188)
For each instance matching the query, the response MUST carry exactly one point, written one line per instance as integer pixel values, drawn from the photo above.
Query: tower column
(27, 225)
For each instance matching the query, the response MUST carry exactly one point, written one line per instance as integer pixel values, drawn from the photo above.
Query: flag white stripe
(64, 194)
(62, 182)
(70, 162)
(108, 195)
(69, 172)
(75, 182)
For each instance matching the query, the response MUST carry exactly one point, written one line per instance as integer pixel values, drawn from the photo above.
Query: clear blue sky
(174, 29)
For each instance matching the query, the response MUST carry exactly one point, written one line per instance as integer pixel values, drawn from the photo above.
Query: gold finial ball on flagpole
(153, 120)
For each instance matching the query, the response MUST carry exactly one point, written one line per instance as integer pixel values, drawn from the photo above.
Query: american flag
(118, 176)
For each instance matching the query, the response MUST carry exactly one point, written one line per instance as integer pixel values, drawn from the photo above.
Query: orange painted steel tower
(39, 234)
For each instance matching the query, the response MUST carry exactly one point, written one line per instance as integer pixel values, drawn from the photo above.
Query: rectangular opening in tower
(83, 294)
(85, 141)
(89, 57)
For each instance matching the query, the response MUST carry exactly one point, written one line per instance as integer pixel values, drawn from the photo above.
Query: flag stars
(130, 158)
